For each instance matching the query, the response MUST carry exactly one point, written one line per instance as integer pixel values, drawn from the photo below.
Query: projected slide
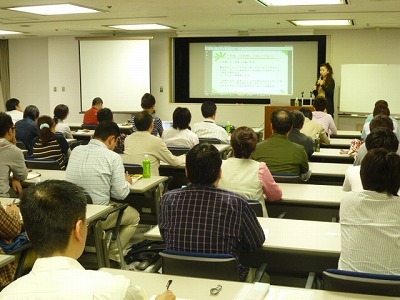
(248, 71)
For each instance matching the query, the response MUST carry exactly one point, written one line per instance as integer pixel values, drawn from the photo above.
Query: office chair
(256, 206)
(204, 265)
(209, 140)
(361, 283)
(20, 145)
(287, 178)
(45, 164)
(178, 150)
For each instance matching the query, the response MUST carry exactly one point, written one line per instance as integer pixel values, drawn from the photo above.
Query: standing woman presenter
(325, 86)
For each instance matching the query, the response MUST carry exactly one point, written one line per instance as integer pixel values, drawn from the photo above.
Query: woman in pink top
(245, 176)
(320, 116)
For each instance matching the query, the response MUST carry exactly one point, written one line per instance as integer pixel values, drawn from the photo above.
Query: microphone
(320, 78)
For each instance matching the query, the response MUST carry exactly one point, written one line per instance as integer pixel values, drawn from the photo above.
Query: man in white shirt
(100, 171)
(208, 128)
(379, 138)
(54, 213)
(14, 109)
(142, 142)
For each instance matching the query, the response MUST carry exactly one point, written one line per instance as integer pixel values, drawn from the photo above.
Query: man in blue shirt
(202, 218)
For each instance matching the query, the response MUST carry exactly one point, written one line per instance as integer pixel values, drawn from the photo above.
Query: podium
(267, 116)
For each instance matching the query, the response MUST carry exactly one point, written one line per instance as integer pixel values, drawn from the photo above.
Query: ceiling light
(323, 22)
(3, 32)
(140, 27)
(55, 9)
(300, 2)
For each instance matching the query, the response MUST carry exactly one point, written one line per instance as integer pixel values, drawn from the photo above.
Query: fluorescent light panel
(55, 9)
(322, 22)
(140, 27)
(300, 2)
(4, 32)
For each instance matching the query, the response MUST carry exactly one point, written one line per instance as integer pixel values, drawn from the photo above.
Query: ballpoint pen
(169, 283)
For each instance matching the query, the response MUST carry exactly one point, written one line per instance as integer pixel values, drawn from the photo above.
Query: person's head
(381, 109)
(105, 114)
(325, 70)
(54, 214)
(13, 104)
(320, 103)
(281, 121)
(7, 128)
(31, 112)
(46, 126)
(97, 102)
(381, 121)
(243, 142)
(143, 121)
(380, 171)
(203, 164)
(148, 102)
(208, 109)
(382, 138)
(384, 102)
(298, 119)
(108, 132)
(306, 112)
(181, 118)
(61, 112)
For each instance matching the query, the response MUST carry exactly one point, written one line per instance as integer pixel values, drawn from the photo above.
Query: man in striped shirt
(202, 218)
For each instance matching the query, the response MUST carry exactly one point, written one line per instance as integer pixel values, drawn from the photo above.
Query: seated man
(14, 109)
(300, 138)
(27, 129)
(148, 103)
(99, 170)
(278, 152)
(12, 160)
(54, 213)
(90, 117)
(378, 138)
(202, 218)
(208, 128)
(312, 129)
(142, 142)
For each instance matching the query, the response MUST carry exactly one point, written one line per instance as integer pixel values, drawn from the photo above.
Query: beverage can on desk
(146, 167)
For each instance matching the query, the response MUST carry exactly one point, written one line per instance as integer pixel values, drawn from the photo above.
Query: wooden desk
(199, 288)
(6, 259)
(347, 134)
(332, 156)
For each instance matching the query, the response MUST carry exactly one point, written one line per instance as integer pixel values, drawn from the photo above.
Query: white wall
(37, 65)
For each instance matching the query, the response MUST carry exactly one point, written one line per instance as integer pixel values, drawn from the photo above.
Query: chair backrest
(203, 265)
(178, 150)
(362, 283)
(133, 168)
(256, 206)
(210, 140)
(89, 126)
(20, 145)
(286, 178)
(45, 164)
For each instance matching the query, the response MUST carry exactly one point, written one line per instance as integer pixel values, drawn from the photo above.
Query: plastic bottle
(146, 166)
(228, 127)
(317, 143)
(296, 102)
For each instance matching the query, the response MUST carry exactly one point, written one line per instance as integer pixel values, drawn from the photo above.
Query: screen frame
(180, 55)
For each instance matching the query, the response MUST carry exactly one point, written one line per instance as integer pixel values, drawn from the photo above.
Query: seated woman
(380, 109)
(50, 145)
(321, 117)
(180, 135)
(369, 219)
(245, 176)
(61, 112)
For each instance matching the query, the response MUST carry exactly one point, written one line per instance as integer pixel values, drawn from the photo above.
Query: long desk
(125, 128)
(327, 173)
(292, 247)
(347, 134)
(332, 156)
(307, 202)
(199, 288)
(338, 143)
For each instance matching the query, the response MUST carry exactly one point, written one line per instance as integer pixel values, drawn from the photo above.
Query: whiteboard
(118, 71)
(363, 84)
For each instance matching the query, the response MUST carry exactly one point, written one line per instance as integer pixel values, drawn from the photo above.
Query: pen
(169, 283)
